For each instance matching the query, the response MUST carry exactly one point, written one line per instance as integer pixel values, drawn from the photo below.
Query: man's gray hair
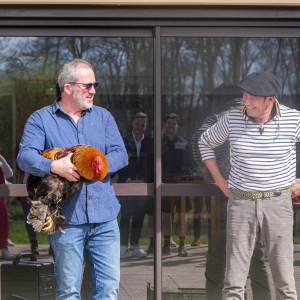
(68, 72)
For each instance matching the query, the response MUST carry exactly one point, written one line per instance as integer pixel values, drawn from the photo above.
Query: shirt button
(89, 198)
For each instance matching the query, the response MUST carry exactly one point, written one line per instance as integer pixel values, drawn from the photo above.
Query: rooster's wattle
(45, 193)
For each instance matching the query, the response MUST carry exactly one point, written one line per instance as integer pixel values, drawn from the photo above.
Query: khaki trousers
(273, 219)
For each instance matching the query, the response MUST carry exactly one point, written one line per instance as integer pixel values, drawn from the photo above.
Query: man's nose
(92, 90)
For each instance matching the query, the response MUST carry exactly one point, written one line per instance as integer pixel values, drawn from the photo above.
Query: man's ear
(67, 89)
(132, 123)
(271, 100)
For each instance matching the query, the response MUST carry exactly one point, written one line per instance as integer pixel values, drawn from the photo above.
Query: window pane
(124, 69)
(194, 250)
(29, 70)
(136, 224)
(193, 67)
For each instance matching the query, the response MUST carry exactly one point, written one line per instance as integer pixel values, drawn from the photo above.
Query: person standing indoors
(261, 182)
(92, 210)
(177, 160)
(139, 170)
(26, 205)
(5, 172)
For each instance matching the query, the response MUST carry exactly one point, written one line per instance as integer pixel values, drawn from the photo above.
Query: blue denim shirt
(95, 201)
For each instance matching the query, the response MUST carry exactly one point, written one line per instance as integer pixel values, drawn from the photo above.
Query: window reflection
(29, 69)
(193, 67)
(136, 235)
(198, 84)
(124, 68)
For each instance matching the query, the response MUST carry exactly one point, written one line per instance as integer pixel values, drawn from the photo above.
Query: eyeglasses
(88, 86)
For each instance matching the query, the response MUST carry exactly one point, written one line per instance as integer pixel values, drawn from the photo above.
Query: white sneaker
(124, 252)
(10, 243)
(7, 255)
(172, 243)
(136, 251)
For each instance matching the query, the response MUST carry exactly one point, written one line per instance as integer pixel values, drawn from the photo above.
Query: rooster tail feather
(37, 215)
(31, 184)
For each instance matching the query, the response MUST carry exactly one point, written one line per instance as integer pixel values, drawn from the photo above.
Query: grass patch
(18, 233)
(297, 241)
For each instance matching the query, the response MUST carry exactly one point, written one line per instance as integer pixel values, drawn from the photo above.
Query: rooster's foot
(48, 224)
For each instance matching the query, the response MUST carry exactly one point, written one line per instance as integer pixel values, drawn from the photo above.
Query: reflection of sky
(120, 64)
(9, 45)
(125, 65)
(220, 57)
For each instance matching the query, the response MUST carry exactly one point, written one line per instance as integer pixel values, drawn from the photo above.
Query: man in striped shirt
(225, 97)
(262, 176)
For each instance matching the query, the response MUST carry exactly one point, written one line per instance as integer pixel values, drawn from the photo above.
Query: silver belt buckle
(277, 193)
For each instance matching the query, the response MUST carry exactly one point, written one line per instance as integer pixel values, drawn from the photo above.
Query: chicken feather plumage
(45, 193)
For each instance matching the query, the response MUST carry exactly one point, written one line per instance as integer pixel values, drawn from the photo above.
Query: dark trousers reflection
(216, 261)
(133, 210)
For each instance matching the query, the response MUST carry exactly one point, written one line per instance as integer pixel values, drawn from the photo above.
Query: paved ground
(181, 272)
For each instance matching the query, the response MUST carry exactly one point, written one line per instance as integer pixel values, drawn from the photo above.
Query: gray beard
(76, 99)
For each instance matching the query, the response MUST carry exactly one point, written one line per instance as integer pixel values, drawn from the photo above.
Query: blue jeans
(102, 242)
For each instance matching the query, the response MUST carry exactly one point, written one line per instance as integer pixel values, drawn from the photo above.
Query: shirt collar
(137, 141)
(56, 106)
(278, 112)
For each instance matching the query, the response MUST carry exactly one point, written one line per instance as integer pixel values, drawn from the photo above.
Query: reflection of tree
(123, 66)
(192, 67)
(6, 128)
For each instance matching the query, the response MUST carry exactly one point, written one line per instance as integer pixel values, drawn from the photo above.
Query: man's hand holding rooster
(65, 168)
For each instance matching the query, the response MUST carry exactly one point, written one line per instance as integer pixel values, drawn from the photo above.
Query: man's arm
(33, 144)
(115, 151)
(210, 139)
(220, 181)
(7, 171)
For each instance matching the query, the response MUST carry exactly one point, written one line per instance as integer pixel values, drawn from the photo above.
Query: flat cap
(225, 88)
(262, 84)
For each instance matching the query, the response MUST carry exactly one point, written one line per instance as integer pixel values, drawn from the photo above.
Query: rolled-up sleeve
(214, 137)
(115, 151)
(31, 146)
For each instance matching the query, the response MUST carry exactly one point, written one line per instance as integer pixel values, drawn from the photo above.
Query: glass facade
(192, 70)
(193, 218)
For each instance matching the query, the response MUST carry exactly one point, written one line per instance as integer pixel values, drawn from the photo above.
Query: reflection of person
(226, 97)
(32, 235)
(139, 170)
(5, 172)
(262, 140)
(92, 210)
(177, 160)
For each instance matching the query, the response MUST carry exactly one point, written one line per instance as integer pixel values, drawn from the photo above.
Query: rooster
(45, 193)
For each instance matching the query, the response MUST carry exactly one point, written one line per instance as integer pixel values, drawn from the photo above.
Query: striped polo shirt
(261, 160)
(222, 153)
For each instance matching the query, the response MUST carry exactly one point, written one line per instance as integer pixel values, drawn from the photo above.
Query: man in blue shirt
(92, 210)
